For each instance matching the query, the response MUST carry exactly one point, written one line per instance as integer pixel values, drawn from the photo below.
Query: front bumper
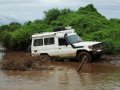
(99, 48)
(98, 52)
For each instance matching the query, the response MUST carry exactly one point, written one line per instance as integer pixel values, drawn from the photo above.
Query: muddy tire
(45, 60)
(45, 57)
(42, 63)
(84, 55)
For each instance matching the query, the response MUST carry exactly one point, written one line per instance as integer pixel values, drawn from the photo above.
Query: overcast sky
(24, 10)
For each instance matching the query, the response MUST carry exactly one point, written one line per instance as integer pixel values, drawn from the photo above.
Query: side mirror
(66, 43)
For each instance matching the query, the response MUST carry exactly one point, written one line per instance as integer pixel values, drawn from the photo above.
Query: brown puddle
(100, 68)
(64, 77)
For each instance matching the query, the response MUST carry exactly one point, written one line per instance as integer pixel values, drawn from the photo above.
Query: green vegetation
(87, 22)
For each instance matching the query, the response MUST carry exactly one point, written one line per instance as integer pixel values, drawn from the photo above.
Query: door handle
(35, 50)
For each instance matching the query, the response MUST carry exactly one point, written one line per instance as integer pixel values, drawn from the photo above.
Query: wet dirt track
(95, 76)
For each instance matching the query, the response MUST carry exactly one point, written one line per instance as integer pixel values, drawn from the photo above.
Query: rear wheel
(84, 56)
(45, 60)
(42, 62)
(44, 57)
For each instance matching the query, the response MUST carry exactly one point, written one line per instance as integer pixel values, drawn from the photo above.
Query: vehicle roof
(52, 33)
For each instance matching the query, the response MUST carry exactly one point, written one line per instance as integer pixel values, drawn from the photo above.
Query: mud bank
(110, 60)
(24, 62)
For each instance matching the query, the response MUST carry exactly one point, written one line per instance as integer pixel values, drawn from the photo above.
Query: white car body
(55, 49)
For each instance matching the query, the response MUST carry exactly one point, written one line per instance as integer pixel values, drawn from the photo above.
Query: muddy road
(95, 76)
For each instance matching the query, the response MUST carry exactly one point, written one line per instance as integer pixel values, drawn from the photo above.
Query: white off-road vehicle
(65, 44)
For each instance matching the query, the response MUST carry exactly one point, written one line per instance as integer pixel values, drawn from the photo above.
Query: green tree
(51, 15)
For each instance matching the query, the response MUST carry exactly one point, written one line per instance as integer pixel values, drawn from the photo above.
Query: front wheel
(84, 56)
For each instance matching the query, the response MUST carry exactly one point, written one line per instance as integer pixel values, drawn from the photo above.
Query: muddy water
(64, 77)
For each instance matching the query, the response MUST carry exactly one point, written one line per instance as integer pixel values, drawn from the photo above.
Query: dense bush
(20, 39)
(87, 21)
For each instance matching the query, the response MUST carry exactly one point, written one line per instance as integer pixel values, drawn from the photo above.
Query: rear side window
(49, 41)
(38, 42)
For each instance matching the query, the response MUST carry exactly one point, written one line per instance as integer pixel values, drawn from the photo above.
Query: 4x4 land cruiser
(65, 44)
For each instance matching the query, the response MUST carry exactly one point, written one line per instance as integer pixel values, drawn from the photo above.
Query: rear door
(50, 45)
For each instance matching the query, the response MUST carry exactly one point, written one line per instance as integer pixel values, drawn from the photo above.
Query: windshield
(74, 39)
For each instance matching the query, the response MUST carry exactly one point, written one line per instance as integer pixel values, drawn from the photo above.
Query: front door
(64, 49)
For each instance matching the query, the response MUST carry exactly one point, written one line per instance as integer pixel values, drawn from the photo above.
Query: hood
(87, 43)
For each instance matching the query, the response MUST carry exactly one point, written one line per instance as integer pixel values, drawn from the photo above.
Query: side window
(49, 41)
(62, 42)
(38, 42)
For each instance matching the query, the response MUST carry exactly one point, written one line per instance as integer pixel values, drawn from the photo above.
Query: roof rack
(62, 28)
